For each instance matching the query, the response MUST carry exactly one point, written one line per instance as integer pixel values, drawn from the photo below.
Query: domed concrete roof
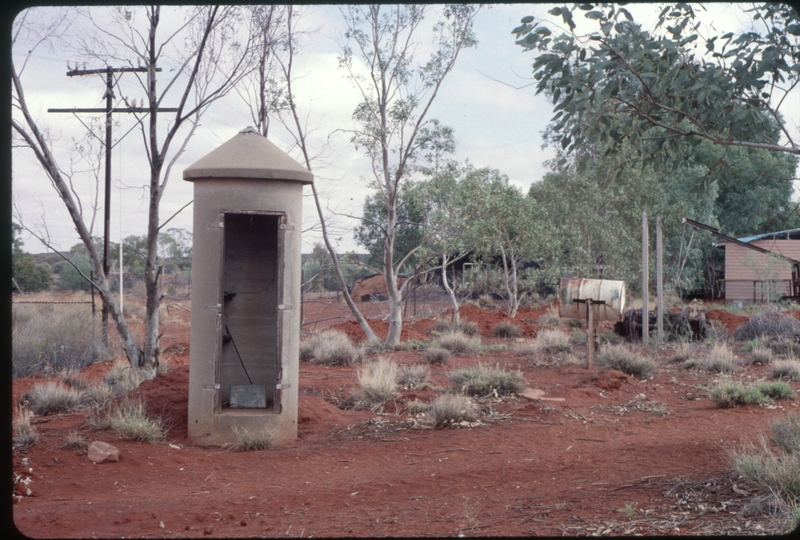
(248, 155)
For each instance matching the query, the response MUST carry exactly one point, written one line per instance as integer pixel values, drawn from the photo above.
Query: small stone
(161, 524)
(100, 452)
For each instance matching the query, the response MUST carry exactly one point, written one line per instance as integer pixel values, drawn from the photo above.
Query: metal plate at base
(248, 396)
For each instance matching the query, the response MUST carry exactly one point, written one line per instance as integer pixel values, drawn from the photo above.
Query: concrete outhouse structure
(246, 273)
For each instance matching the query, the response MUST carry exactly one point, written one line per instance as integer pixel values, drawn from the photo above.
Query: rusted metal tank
(608, 298)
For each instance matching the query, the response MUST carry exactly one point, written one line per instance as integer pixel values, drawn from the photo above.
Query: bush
(550, 318)
(129, 421)
(458, 342)
(463, 326)
(436, 355)
(786, 369)
(413, 376)
(485, 301)
(778, 474)
(449, 409)
(731, 394)
(786, 433)
(783, 347)
(682, 353)
(577, 338)
(768, 323)
(622, 359)
(51, 397)
(372, 347)
(482, 381)
(260, 439)
(329, 347)
(24, 433)
(525, 348)
(377, 382)
(552, 341)
(775, 389)
(506, 330)
(761, 354)
(417, 406)
(50, 336)
(719, 360)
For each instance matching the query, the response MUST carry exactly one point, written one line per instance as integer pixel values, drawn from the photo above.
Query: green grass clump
(436, 355)
(775, 389)
(459, 343)
(553, 341)
(481, 381)
(786, 369)
(258, 439)
(731, 394)
(577, 338)
(329, 347)
(377, 383)
(506, 330)
(450, 409)
(51, 397)
(129, 420)
(622, 359)
(413, 377)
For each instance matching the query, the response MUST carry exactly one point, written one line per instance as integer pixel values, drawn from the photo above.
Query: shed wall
(744, 266)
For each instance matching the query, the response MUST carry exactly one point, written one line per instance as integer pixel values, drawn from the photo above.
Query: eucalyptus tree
(201, 61)
(670, 83)
(381, 56)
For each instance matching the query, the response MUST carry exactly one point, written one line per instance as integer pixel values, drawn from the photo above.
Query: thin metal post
(590, 333)
(645, 281)
(659, 282)
(107, 207)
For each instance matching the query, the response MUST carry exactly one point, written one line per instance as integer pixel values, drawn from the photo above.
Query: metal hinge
(283, 386)
(285, 306)
(211, 386)
(213, 306)
(285, 227)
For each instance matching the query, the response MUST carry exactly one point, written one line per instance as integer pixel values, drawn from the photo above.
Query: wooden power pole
(108, 110)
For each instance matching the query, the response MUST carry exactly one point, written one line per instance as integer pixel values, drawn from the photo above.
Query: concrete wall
(743, 266)
(209, 422)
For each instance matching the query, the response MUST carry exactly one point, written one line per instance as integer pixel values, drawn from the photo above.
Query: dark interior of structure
(250, 356)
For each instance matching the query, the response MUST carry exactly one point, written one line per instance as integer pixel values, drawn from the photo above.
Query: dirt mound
(727, 319)
(167, 396)
(610, 379)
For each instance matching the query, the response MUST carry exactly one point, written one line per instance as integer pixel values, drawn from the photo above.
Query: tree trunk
(450, 291)
(390, 277)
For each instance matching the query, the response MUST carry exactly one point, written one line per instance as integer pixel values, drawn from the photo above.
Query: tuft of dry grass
(331, 348)
(377, 383)
(417, 406)
(482, 381)
(259, 439)
(506, 330)
(413, 377)
(458, 343)
(51, 397)
(786, 369)
(623, 359)
(683, 352)
(769, 323)
(123, 377)
(129, 420)
(525, 348)
(451, 409)
(550, 317)
(436, 355)
(24, 433)
(553, 341)
(761, 354)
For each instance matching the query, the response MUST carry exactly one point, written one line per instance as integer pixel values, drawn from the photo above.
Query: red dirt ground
(598, 443)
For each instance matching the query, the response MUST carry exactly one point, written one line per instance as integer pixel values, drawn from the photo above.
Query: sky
(496, 117)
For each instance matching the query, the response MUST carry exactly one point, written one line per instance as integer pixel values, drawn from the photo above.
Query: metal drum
(608, 298)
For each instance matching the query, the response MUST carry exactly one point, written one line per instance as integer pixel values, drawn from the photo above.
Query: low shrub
(552, 341)
(550, 318)
(683, 352)
(259, 439)
(129, 420)
(731, 394)
(410, 345)
(24, 434)
(413, 377)
(610, 338)
(577, 338)
(786, 369)
(481, 381)
(572, 360)
(450, 409)
(372, 347)
(775, 389)
(377, 383)
(506, 330)
(331, 348)
(417, 406)
(436, 355)
(783, 347)
(98, 394)
(786, 433)
(525, 348)
(768, 323)
(74, 440)
(485, 301)
(72, 378)
(761, 354)
(53, 337)
(442, 326)
(719, 360)
(458, 343)
(51, 397)
(622, 359)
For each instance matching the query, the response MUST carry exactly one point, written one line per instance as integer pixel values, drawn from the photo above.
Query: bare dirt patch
(612, 455)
